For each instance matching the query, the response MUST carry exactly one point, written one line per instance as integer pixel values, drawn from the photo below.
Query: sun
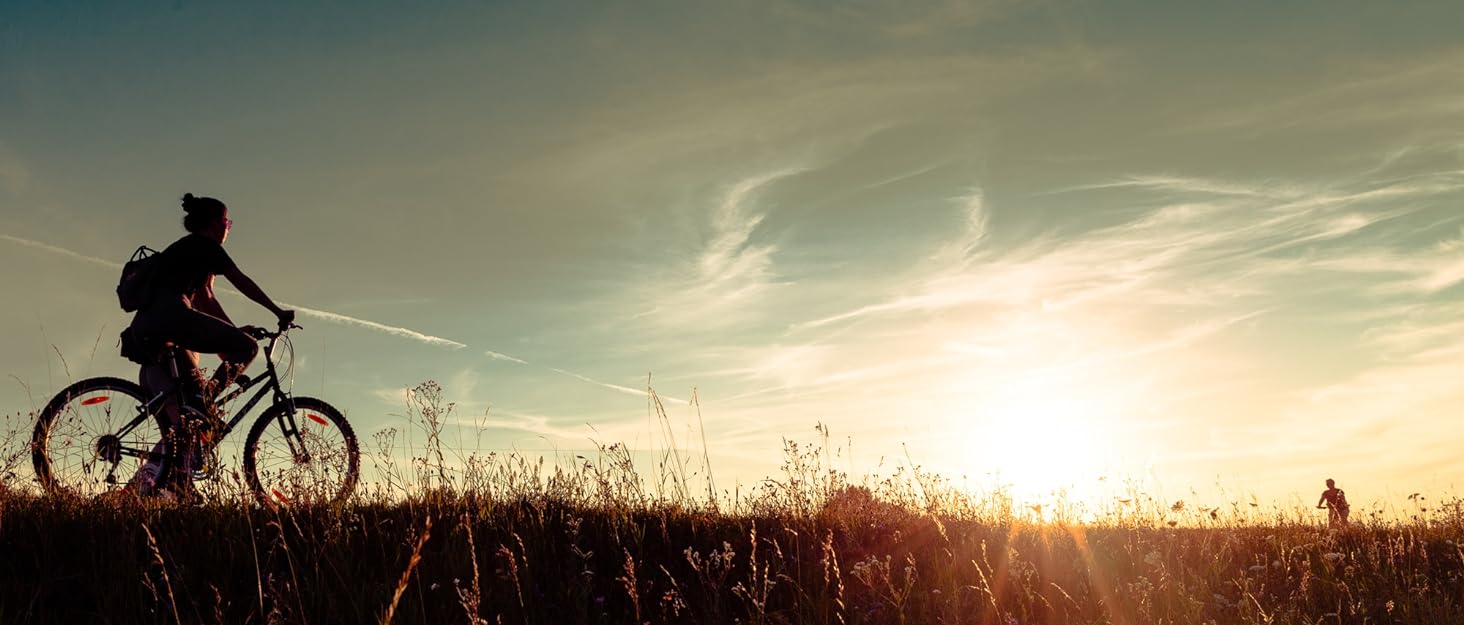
(1036, 444)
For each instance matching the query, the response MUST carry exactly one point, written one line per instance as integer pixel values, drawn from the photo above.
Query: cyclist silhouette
(182, 310)
(1337, 507)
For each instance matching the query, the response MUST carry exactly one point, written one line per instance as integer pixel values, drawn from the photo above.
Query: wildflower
(1259, 568)
(1276, 563)
(434, 586)
(1333, 556)
(1154, 558)
(935, 591)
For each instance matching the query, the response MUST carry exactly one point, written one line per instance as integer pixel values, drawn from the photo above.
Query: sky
(1215, 250)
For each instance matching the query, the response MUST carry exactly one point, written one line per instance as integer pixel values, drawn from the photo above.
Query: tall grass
(451, 535)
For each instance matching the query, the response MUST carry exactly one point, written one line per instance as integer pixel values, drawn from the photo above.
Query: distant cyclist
(182, 310)
(1337, 507)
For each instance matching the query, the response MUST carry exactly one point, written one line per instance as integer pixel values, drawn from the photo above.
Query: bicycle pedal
(206, 471)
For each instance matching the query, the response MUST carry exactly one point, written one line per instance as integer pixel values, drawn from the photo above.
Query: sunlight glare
(1038, 443)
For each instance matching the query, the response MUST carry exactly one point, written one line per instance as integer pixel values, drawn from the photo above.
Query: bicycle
(311, 454)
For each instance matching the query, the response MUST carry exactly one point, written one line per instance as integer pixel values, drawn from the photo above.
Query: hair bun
(188, 204)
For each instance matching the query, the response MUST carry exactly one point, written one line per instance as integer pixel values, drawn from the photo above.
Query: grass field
(507, 539)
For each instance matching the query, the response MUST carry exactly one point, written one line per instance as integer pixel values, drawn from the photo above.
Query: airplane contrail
(312, 312)
(62, 251)
(616, 387)
(337, 318)
(372, 325)
(501, 356)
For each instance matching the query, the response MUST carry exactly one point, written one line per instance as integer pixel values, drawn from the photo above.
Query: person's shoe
(179, 492)
(144, 481)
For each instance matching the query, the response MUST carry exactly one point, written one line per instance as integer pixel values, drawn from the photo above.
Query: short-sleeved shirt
(187, 264)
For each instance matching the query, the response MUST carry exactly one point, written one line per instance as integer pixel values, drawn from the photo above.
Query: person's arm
(253, 292)
(207, 304)
(1319, 501)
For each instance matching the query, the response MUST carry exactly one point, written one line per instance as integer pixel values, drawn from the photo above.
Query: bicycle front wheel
(94, 436)
(305, 455)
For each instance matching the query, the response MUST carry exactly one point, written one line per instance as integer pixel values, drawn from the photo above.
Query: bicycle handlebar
(267, 335)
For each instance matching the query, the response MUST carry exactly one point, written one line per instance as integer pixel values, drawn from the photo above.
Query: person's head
(1330, 483)
(206, 216)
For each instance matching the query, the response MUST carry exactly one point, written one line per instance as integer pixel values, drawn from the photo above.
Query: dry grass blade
(471, 598)
(401, 586)
(157, 554)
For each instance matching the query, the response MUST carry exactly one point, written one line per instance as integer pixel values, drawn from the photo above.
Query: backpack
(134, 289)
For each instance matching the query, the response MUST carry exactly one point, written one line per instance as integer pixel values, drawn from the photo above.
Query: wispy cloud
(722, 282)
(1419, 87)
(1195, 265)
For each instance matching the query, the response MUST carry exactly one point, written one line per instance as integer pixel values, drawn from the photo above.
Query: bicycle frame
(155, 405)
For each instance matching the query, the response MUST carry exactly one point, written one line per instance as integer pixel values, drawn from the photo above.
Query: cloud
(1422, 87)
(1165, 290)
(907, 21)
(1179, 184)
(1167, 252)
(722, 282)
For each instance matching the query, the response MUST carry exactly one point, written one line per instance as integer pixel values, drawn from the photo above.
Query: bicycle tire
(334, 468)
(95, 396)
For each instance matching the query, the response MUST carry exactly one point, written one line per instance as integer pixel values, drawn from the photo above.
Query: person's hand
(254, 332)
(286, 317)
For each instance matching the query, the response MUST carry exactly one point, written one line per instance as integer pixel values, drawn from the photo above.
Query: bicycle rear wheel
(308, 455)
(94, 436)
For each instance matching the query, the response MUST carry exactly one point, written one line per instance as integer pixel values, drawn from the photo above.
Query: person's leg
(207, 334)
(158, 378)
(186, 431)
(190, 332)
(154, 379)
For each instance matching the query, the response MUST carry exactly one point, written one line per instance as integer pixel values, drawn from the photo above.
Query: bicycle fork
(291, 430)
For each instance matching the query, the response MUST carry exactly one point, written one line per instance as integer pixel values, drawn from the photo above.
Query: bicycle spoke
(94, 440)
(140, 454)
(305, 456)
